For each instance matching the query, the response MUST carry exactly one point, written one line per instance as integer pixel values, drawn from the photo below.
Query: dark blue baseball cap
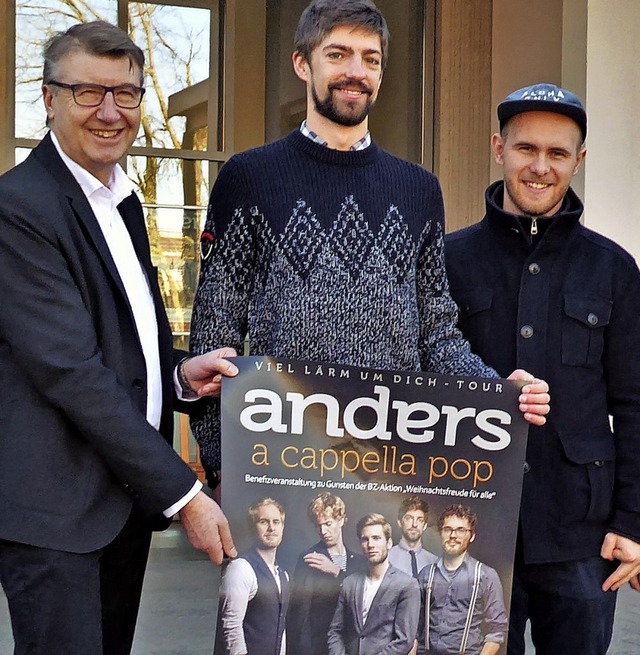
(543, 97)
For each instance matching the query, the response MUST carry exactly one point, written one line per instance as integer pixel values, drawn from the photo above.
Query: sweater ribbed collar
(330, 156)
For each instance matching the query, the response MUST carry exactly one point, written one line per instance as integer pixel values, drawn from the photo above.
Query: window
(219, 79)
(182, 137)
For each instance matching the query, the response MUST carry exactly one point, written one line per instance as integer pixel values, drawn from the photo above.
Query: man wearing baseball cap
(538, 290)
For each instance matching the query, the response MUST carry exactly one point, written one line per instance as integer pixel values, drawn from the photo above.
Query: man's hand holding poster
(360, 500)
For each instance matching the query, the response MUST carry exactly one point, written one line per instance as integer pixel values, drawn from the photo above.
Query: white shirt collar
(120, 186)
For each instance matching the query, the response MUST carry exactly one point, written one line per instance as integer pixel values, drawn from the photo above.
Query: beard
(378, 558)
(348, 115)
(531, 208)
(454, 549)
(412, 535)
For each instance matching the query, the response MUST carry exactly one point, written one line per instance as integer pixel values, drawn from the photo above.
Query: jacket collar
(554, 230)
(48, 157)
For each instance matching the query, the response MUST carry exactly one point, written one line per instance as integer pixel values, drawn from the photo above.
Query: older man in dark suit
(378, 611)
(88, 373)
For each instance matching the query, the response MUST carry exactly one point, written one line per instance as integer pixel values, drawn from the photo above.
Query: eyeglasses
(457, 532)
(126, 96)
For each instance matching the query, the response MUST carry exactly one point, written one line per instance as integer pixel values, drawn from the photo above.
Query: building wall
(526, 48)
(593, 50)
(612, 177)
(462, 106)
(249, 82)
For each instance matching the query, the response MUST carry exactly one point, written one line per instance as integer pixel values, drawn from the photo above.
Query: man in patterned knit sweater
(322, 246)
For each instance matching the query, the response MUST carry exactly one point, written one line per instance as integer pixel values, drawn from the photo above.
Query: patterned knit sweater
(326, 255)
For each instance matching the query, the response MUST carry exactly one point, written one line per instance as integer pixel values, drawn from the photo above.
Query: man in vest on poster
(463, 607)
(322, 246)
(538, 289)
(254, 594)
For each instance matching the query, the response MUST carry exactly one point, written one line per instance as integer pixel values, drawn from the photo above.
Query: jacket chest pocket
(583, 326)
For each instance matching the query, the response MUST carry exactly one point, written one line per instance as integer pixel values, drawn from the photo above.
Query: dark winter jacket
(566, 307)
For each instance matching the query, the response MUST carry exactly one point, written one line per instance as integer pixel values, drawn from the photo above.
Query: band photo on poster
(375, 511)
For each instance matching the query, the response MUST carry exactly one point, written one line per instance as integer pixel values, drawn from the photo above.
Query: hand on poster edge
(204, 373)
(627, 552)
(534, 398)
(207, 528)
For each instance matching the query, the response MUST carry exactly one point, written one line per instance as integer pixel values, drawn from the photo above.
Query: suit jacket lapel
(384, 585)
(131, 212)
(48, 156)
(358, 602)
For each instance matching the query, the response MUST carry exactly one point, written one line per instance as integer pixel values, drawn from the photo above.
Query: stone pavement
(179, 605)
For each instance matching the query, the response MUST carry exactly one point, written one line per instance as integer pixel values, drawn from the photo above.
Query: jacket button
(526, 467)
(592, 319)
(138, 383)
(534, 269)
(526, 331)
(599, 463)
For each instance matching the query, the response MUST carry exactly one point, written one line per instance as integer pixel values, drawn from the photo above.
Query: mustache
(351, 85)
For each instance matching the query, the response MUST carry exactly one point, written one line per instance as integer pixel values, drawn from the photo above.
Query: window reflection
(35, 23)
(176, 45)
(175, 194)
(174, 232)
(176, 42)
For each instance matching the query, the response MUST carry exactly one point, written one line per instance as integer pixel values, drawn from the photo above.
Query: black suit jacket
(314, 596)
(75, 448)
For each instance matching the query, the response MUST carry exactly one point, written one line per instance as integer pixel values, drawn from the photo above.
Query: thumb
(608, 547)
